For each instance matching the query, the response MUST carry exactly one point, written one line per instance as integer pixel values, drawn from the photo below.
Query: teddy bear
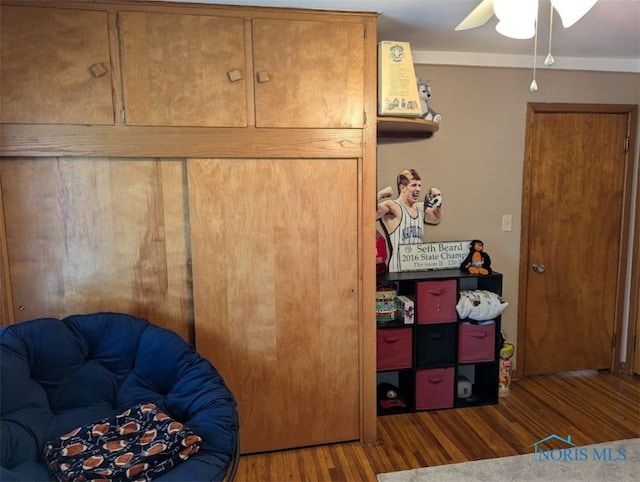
(424, 92)
(477, 261)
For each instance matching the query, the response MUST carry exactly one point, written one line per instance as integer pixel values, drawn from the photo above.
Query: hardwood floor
(592, 407)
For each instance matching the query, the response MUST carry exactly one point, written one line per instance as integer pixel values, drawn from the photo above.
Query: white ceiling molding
(479, 59)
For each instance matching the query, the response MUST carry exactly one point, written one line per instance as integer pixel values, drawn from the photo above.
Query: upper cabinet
(181, 67)
(55, 66)
(183, 70)
(308, 73)
(192, 70)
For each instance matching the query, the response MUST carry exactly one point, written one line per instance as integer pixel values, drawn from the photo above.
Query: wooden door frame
(625, 254)
(634, 286)
(6, 298)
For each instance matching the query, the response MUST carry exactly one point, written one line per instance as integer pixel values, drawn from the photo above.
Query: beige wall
(476, 158)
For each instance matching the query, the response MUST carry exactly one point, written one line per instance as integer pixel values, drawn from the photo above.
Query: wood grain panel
(128, 141)
(46, 56)
(175, 70)
(87, 235)
(366, 251)
(274, 248)
(314, 73)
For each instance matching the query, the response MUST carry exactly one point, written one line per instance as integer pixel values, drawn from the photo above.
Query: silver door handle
(538, 267)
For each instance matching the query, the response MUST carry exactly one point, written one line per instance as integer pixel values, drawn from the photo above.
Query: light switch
(507, 222)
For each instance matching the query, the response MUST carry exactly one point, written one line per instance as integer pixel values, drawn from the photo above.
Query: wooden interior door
(275, 279)
(88, 235)
(576, 185)
(309, 74)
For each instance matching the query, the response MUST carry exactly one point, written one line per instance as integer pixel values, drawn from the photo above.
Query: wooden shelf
(406, 127)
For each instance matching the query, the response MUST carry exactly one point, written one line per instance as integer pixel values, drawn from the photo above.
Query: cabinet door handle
(436, 379)
(390, 340)
(97, 70)
(234, 75)
(263, 77)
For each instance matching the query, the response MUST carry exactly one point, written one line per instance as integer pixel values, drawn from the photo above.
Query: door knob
(538, 267)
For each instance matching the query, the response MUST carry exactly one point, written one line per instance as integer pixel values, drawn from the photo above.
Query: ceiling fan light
(510, 10)
(517, 30)
(571, 11)
(516, 19)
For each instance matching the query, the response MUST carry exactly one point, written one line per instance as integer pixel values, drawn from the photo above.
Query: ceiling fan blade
(478, 16)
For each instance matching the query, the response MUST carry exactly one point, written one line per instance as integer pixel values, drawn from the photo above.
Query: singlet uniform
(409, 231)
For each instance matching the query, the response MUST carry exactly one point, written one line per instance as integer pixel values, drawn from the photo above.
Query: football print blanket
(139, 444)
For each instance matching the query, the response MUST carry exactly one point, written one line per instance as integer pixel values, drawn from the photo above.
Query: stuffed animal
(477, 261)
(480, 305)
(424, 92)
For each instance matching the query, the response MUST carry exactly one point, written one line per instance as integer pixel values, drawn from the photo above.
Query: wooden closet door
(276, 294)
(87, 235)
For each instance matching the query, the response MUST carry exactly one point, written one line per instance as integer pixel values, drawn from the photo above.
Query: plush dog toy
(424, 92)
(477, 261)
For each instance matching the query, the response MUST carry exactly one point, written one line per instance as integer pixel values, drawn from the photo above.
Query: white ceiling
(607, 38)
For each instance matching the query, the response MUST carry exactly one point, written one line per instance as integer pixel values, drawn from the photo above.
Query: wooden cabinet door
(55, 66)
(275, 279)
(87, 235)
(183, 70)
(308, 73)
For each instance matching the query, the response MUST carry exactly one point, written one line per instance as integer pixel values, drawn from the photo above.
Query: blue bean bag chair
(60, 378)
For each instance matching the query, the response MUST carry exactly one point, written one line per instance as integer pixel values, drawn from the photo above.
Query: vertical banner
(397, 85)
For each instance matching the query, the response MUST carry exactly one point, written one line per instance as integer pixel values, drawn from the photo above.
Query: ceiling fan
(478, 16)
(519, 20)
(509, 13)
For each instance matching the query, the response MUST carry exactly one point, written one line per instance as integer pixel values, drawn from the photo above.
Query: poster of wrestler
(403, 219)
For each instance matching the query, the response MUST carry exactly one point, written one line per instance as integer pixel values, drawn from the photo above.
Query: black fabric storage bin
(436, 345)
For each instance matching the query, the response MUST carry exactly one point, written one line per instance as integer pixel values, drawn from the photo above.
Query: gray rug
(610, 461)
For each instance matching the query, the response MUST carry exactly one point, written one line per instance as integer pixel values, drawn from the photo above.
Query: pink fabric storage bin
(476, 343)
(434, 388)
(436, 302)
(394, 348)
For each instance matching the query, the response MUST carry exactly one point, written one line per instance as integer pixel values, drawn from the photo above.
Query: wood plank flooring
(592, 407)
